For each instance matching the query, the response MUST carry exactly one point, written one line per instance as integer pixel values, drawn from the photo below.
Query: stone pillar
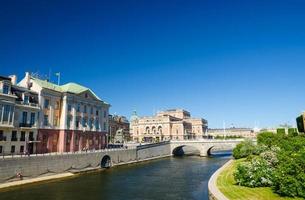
(62, 141)
(72, 143)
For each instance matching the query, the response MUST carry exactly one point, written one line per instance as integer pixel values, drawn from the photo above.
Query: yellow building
(171, 124)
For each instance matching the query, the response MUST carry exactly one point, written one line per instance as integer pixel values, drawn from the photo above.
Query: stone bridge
(203, 146)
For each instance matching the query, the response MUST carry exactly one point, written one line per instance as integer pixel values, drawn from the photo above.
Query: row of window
(25, 118)
(14, 137)
(85, 122)
(13, 149)
(57, 105)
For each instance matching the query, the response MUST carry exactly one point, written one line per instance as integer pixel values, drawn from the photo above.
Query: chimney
(13, 79)
(27, 80)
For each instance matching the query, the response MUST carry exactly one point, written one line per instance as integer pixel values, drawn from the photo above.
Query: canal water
(169, 178)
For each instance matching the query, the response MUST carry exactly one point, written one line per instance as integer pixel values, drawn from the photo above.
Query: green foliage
(243, 149)
(281, 131)
(256, 173)
(280, 164)
(228, 137)
(292, 132)
(289, 176)
(266, 138)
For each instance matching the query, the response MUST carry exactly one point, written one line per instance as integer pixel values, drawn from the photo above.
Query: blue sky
(235, 61)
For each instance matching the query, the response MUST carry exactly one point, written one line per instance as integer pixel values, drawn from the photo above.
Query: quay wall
(40, 165)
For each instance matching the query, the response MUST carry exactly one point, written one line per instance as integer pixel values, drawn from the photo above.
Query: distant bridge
(204, 146)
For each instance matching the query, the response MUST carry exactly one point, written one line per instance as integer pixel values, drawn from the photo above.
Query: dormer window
(6, 89)
(26, 99)
(86, 95)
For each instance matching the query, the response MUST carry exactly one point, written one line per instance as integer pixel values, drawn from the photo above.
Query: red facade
(69, 140)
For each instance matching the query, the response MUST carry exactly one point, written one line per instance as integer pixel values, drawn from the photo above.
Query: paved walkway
(34, 180)
(214, 192)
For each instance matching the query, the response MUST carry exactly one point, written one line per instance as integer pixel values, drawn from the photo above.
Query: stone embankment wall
(214, 192)
(34, 166)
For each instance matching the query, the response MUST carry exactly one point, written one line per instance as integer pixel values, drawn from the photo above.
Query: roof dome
(134, 116)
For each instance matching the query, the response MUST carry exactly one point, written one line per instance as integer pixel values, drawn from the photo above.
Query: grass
(227, 185)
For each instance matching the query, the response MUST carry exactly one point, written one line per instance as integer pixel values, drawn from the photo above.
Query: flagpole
(58, 77)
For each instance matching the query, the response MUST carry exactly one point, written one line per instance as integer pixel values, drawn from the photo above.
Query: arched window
(160, 130)
(147, 130)
(153, 130)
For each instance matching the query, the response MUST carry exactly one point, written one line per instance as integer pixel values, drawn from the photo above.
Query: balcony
(3, 138)
(27, 103)
(26, 125)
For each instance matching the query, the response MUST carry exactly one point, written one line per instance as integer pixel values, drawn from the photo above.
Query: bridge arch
(182, 150)
(106, 162)
(209, 151)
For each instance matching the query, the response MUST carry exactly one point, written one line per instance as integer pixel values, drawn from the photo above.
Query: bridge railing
(7, 156)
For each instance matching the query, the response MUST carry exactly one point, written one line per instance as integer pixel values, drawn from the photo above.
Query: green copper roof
(46, 84)
(76, 89)
(69, 87)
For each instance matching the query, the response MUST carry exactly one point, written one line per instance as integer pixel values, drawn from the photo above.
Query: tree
(243, 149)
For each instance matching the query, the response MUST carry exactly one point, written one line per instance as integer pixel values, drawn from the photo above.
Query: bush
(270, 157)
(256, 173)
(281, 131)
(289, 176)
(280, 164)
(292, 132)
(243, 149)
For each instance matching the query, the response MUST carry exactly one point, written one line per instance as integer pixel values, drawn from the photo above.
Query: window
(46, 103)
(96, 112)
(105, 114)
(22, 137)
(69, 121)
(7, 109)
(31, 136)
(32, 122)
(6, 89)
(56, 120)
(77, 122)
(97, 124)
(90, 123)
(1, 135)
(1, 149)
(24, 117)
(14, 136)
(57, 105)
(104, 125)
(21, 149)
(84, 122)
(78, 108)
(91, 110)
(45, 120)
(26, 99)
(85, 109)
(69, 108)
(1, 106)
(13, 149)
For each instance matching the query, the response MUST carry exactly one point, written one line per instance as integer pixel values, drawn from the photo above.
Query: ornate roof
(69, 87)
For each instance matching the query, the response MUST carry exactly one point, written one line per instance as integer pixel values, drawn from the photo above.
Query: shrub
(256, 173)
(289, 175)
(243, 149)
(266, 138)
(281, 131)
(292, 132)
(270, 157)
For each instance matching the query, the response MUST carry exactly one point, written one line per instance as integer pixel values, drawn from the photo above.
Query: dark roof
(5, 78)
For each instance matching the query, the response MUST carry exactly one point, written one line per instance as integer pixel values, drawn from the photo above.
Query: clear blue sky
(233, 61)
